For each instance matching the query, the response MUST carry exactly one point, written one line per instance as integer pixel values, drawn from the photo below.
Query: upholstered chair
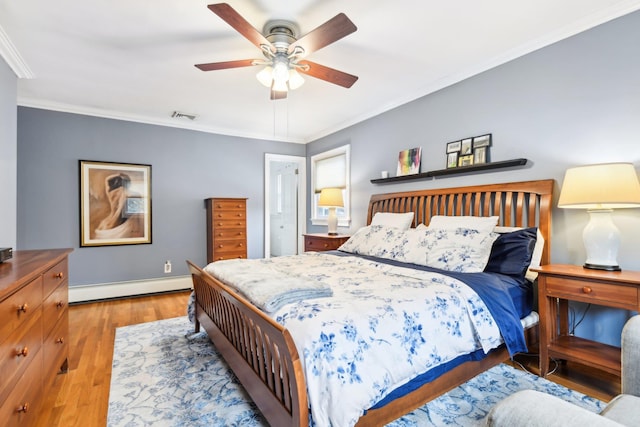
(531, 408)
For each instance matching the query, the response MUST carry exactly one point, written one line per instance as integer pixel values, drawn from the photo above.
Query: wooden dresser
(226, 228)
(34, 328)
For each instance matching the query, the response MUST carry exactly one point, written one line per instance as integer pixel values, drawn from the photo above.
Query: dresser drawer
(54, 307)
(219, 256)
(22, 406)
(55, 276)
(229, 224)
(229, 215)
(56, 349)
(230, 234)
(20, 307)
(222, 204)
(18, 351)
(625, 297)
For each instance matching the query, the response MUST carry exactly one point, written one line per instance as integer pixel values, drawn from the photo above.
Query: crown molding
(13, 58)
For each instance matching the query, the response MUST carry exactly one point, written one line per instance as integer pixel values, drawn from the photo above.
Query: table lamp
(601, 188)
(331, 198)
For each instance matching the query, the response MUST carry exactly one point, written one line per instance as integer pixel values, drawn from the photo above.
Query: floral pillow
(464, 250)
(460, 249)
(376, 240)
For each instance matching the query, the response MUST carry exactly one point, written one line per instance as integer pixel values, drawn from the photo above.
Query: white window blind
(331, 172)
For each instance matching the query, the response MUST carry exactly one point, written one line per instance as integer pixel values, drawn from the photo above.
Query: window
(331, 170)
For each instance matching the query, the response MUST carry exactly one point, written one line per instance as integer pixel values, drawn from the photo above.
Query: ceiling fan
(284, 53)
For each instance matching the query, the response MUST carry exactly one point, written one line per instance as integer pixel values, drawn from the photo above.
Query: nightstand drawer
(612, 295)
(320, 243)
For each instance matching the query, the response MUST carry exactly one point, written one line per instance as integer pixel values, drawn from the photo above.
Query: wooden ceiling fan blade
(331, 31)
(212, 66)
(328, 74)
(233, 18)
(277, 94)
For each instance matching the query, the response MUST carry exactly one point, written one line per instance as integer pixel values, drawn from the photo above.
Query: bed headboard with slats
(518, 204)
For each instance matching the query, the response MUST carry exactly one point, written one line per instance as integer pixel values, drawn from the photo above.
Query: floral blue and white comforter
(383, 326)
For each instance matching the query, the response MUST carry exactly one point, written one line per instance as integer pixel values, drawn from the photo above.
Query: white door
(284, 204)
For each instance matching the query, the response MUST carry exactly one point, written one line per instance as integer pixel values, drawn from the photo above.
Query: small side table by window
(557, 285)
(321, 242)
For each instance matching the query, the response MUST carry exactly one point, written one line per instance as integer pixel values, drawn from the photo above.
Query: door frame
(302, 198)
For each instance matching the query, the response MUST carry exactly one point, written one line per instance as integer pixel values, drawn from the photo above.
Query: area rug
(164, 374)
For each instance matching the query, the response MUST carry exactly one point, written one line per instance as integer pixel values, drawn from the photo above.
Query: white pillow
(536, 257)
(389, 219)
(480, 223)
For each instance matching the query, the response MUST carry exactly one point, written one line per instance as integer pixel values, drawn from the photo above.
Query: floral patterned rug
(164, 374)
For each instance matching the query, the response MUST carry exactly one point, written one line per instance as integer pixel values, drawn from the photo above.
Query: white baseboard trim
(124, 289)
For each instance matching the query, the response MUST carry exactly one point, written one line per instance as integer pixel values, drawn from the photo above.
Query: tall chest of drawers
(34, 327)
(226, 228)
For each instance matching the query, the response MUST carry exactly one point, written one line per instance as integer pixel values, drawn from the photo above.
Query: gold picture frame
(115, 203)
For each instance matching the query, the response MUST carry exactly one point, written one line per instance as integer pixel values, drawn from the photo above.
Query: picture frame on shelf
(453, 147)
(452, 160)
(480, 155)
(115, 203)
(409, 161)
(466, 160)
(482, 141)
(466, 146)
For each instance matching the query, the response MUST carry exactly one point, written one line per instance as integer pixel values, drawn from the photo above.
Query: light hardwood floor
(81, 396)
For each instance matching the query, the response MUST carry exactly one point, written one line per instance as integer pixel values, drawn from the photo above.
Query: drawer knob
(219, 224)
(587, 290)
(23, 408)
(59, 275)
(60, 340)
(22, 352)
(60, 304)
(221, 246)
(23, 308)
(240, 215)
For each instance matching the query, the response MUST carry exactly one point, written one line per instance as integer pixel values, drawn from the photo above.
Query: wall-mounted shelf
(453, 171)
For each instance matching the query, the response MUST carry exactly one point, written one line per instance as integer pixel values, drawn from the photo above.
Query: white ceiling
(134, 59)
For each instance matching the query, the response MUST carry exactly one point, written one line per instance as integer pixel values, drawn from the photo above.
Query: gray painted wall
(8, 164)
(576, 102)
(187, 167)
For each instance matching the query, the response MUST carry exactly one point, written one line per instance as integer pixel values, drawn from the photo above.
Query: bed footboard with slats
(260, 351)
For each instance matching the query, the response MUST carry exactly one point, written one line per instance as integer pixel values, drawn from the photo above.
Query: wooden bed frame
(262, 353)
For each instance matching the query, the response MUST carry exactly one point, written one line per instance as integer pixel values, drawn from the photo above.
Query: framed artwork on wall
(409, 161)
(115, 203)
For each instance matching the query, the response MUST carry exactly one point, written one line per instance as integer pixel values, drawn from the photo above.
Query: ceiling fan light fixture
(280, 70)
(280, 86)
(295, 79)
(265, 76)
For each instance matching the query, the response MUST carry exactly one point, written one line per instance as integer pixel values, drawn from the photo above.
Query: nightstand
(557, 285)
(323, 242)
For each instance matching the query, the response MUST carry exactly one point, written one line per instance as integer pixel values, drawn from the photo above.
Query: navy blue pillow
(511, 253)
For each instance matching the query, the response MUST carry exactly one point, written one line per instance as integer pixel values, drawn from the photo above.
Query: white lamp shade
(331, 197)
(600, 189)
(265, 76)
(295, 79)
(602, 186)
